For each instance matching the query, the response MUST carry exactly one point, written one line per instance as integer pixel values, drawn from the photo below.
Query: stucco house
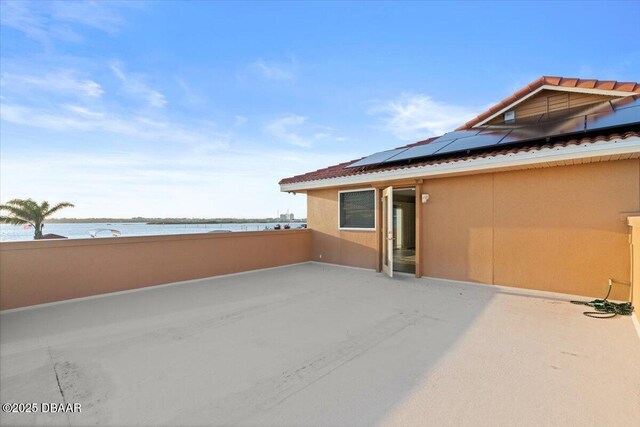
(534, 193)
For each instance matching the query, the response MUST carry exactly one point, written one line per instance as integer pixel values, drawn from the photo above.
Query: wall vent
(510, 116)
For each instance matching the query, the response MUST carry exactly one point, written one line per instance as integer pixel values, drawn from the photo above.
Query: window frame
(375, 209)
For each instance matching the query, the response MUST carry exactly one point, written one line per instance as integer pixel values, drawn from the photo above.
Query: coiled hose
(605, 309)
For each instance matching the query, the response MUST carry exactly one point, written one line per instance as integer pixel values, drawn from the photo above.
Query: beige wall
(46, 271)
(328, 243)
(557, 229)
(457, 221)
(560, 229)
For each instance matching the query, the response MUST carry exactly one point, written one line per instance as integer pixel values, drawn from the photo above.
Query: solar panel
(621, 117)
(482, 140)
(631, 101)
(604, 107)
(433, 146)
(450, 136)
(419, 151)
(583, 110)
(616, 113)
(376, 158)
(545, 130)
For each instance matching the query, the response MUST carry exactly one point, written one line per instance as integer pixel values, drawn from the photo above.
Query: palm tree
(29, 212)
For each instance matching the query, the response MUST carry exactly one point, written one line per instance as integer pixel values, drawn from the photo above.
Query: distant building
(286, 217)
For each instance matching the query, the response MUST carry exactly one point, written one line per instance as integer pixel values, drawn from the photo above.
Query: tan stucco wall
(457, 236)
(556, 229)
(38, 272)
(560, 229)
(328, 243)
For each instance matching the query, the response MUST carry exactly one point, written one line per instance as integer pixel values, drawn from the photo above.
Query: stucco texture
(55, 270)
(559, 229)
(329, 243)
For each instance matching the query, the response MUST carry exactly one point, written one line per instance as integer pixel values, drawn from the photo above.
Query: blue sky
(197, 109)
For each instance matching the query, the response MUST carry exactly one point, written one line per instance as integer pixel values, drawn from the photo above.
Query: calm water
(81, 231)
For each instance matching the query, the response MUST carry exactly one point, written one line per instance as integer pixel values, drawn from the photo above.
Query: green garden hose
(605, 309)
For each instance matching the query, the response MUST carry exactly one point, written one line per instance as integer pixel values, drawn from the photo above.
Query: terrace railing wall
(45, 271)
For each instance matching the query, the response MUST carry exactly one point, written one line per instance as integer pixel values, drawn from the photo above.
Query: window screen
(357, 209)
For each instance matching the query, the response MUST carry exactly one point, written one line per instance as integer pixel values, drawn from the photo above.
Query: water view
(85, 230)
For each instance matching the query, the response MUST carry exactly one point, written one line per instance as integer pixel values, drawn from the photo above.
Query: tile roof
(553, 81)
(339, 170)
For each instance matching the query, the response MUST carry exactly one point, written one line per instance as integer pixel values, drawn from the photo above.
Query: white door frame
(387, 231)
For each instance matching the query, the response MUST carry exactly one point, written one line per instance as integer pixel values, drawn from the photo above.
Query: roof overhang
(547, 156)
(613, 93)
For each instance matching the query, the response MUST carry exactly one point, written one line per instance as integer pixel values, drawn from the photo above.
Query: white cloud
(198, 185)
(281, 129)
(295, 130)
(46, 21)
(60, 82)
(102, 15)
(240, 120)
(135, 84)
(70, 118)
(63, 102)
(273, 70)
(189, 96)
(416, 116)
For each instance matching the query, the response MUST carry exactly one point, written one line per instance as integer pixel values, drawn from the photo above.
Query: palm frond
(23, 203)
(23, 211)
(13, 220)
(26, 205)
(57, 207)
(18, 212)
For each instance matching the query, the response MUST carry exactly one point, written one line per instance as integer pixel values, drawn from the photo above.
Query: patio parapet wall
(37, 272)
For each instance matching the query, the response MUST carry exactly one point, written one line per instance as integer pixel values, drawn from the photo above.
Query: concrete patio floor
(314, 344)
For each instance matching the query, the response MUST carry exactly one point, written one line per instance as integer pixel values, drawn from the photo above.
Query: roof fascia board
(613, 147)
(616, 93)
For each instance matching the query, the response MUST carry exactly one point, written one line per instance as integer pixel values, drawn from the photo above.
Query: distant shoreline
(172, 221)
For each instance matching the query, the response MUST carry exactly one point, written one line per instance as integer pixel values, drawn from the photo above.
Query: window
(358, 209)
